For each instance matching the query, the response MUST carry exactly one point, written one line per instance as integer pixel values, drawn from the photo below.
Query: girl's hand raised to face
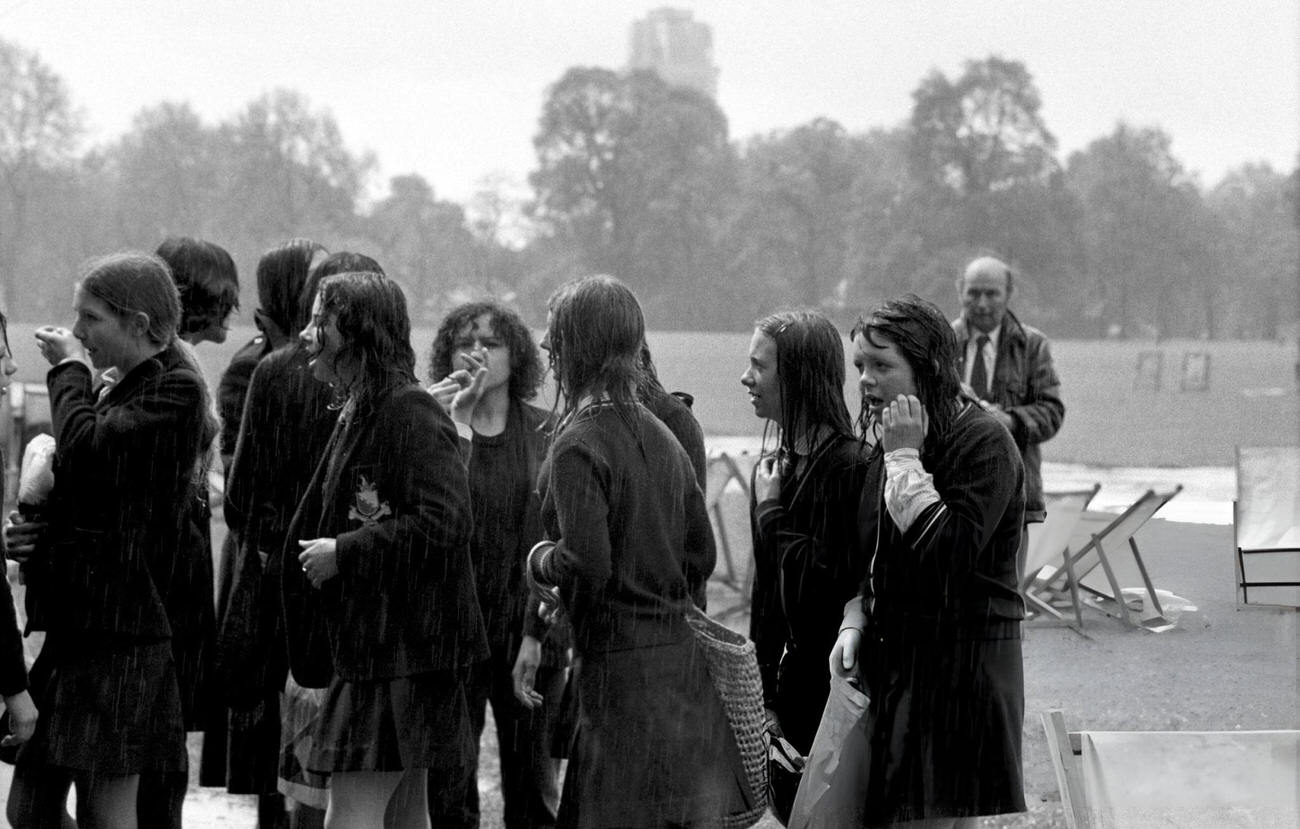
(904, 423)
(58, 344)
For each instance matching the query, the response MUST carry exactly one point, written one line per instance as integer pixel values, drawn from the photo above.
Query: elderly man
(1008, 365)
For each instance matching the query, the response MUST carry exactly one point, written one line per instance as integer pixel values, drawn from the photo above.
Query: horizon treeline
(643, 181)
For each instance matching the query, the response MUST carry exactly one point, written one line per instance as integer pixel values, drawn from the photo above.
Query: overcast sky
(452, 90)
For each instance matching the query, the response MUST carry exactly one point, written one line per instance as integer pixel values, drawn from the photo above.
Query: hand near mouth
(58, 344)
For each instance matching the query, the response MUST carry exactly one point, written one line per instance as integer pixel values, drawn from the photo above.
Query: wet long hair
(525, 359)
(374, 330)
(343, 261)
(132, 282)
(281, 273)
(206, 279)
(810, 369)
(923, 335)
(596, 335)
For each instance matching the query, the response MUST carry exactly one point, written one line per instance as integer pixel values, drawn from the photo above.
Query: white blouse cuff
(909, 489)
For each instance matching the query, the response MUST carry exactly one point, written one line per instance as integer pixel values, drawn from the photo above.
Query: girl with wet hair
(209, 287)
(285, 426)
(117, 572)
(489, 341)
(803, 507)
(934, 636)
(251, 729)
(630, 541)
(383, 534)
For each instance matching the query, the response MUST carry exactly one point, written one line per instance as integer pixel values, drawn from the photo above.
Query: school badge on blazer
(366, 507)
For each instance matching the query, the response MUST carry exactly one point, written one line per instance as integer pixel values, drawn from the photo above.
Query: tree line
(642, 180)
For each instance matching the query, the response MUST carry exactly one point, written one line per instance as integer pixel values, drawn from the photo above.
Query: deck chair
(1049, 540)
(1266, 526)
(1188, 779)
(722, 470)
(1098, 563)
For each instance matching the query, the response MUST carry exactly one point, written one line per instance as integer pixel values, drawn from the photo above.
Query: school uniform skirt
(653, 746)
(414, 722)
(108, 706)
(944, 724)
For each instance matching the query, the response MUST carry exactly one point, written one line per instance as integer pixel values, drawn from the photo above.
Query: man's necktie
(979, 378)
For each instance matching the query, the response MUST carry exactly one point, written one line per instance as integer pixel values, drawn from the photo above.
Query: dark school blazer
(393, 490)
(121, 536)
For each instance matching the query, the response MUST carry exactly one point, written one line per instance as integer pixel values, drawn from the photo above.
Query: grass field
(1250, 400)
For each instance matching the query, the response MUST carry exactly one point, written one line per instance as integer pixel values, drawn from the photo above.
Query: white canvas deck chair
(1049, 540)
(1266, 526)
(1103, 558)
(1187, 779)
(722, 470)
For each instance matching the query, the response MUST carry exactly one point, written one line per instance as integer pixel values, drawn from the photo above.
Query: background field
(1250, 400)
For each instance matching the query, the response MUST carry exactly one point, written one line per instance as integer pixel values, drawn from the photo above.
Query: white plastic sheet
(1191, 779)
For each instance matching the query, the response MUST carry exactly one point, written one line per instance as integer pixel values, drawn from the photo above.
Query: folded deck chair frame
(722, 470)
(1104, 551)
(1048, 541)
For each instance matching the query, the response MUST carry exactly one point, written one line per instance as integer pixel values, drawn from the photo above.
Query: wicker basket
(734, 671)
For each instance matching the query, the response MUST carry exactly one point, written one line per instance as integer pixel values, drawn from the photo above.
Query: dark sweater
(807, 558)
(633, 538)
(507, 519)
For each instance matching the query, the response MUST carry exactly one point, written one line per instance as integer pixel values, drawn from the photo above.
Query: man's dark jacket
(1025, 385)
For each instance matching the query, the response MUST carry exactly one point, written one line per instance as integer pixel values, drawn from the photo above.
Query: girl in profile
(115, 574)
(803, 520)
(630, 543)
(383, 533)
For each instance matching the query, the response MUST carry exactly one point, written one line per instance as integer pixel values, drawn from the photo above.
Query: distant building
(677, 48)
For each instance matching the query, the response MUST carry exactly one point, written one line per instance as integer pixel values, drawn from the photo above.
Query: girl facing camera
(486, 368)
(934, 637)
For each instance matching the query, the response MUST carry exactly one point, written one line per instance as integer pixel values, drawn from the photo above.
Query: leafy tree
(796, 200)
(1255, 205)
(633, 170)
(423, 243)
(169, 169)
(290, 173)
(982, 132)
(39, 130)
(1148, 243)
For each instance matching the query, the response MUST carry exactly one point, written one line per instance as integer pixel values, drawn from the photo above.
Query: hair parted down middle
(810, 369)
(374, 329)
